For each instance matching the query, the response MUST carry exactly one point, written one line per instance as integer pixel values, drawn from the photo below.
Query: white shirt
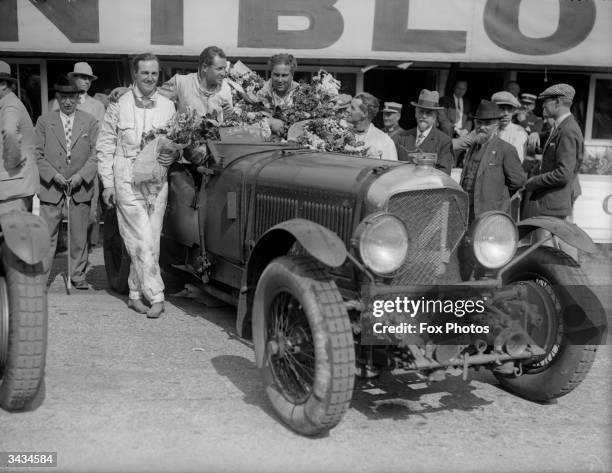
(378, 143)
(516, 136)
(459, 108)
(67, 119)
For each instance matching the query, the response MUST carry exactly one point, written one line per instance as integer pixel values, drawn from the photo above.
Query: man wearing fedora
(18, 171)
(82, 77)
(391, 117)
(492, 172)
(425, 136)
(65, 148)
(508, 131)
(556, 187)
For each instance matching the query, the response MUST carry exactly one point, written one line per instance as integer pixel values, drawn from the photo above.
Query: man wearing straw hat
(66, 154)
(18, 171)
(82, 77)
(492, 172)
(425, 136)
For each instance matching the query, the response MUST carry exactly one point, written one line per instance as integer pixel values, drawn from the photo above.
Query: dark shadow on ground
(392, 397)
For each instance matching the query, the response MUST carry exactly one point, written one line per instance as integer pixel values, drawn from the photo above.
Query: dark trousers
(79, 219)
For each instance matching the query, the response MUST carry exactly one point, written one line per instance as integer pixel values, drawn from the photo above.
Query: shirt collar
(82, 97)
(561, 118)
(138, 94)
(65, 117)
(425, 133)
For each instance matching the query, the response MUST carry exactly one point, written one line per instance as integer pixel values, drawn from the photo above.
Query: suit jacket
(499, 175)
(451, 111)
(556, 187)
(436, 142)
(18, 171)
(51, 155)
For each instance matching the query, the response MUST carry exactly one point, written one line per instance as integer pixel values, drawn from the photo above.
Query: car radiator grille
(436, 221)
(336, 214)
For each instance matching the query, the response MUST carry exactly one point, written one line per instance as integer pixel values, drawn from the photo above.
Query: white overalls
(139, 214)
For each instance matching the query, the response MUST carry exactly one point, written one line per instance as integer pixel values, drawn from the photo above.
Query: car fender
(568, 232)
(26, 235)
(319, 242)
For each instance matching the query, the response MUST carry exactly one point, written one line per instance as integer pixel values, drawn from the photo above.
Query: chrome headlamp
(382, 240)
(493, 237)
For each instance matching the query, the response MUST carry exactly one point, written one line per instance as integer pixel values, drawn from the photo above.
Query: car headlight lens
(383, 243)
(494, 239)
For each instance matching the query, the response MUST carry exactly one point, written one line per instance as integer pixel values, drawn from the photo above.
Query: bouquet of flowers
(314, 100)
(182, 131)
(329, 134)
(248, 106)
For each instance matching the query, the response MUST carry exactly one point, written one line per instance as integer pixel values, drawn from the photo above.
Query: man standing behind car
(556, 187)
(65, 149)
(426, 137)
(362, 111)
(18, 171)
(139, 216)
(492, 171)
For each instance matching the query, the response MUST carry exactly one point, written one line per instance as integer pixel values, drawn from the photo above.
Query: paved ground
(124, 393)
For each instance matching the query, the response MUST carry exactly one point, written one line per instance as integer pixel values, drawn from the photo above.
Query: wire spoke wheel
(303, 344)
(290, 348)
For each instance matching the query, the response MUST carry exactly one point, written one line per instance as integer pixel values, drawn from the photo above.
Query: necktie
(420, 138)
(68, 131)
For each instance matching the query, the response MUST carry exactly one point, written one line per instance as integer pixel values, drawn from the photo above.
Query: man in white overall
(140, 217)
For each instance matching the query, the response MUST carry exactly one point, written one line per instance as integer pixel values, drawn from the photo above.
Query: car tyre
(303, 344)
(544, 272)
(23, 333)
(116, 258)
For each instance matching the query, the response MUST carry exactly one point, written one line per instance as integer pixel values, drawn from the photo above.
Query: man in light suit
(82, 77)
(426, 137)
(18, 172)
(65, 149)
(492, 172)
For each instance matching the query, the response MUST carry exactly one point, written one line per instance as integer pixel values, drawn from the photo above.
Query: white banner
(562, 32)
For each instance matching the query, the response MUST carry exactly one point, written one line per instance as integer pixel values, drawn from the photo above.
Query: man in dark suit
(426, 137)
(556, 187)
(65, 148)
(18, 172)
(458, 109)
(492, 172)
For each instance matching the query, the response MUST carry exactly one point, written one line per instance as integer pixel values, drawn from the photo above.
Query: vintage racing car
(24, 240)
(308, 244)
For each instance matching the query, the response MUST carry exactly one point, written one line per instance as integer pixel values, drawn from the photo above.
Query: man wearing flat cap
(556, 187)
(18, 171)
(391, 117)
(425, 136)
(66, 155)
(492, 172)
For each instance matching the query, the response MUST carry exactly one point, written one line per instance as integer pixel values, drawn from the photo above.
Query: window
(602, 111)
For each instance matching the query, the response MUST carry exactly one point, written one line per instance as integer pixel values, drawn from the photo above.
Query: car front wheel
(303, 344)
(557, 287)
(23, 332)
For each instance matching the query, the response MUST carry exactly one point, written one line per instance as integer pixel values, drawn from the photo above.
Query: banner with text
(562, 32)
